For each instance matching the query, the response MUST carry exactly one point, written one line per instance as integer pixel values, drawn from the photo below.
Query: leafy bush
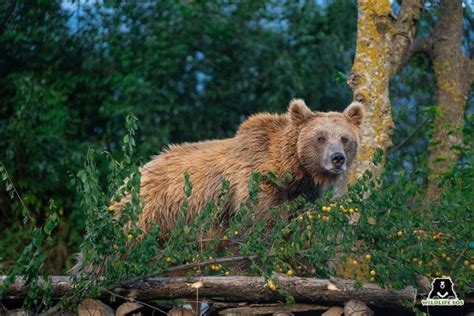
(381, 231)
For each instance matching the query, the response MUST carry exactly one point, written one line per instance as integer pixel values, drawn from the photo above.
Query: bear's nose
(338, 159)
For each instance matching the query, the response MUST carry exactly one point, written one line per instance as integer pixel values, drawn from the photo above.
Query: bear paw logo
(442, 293)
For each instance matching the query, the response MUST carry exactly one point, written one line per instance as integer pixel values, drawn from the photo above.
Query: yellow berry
(169, 260)
(372, 272)
(236, 233)
(225, 237)
(227, 273)
(372, 279)
(351, 210)
(313, 271)
(110, 208)
(354, 262)
(290, 273)
(310, 216)
(443, 255)
(210, 258)
(465, 263)
(325, 218)
(448, 259)
(300, 218)
(368, 257)
(129, 237)
(400, 233)
(414, 260)
(420, 262)
(271, 285)
(472, 267)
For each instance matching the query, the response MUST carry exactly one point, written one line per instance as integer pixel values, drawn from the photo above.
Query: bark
(454, 76)
(383, 46)
(273, 309)
(357, 308)
(403, 38)
(248, 289)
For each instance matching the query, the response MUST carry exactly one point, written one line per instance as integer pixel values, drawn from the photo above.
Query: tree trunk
(383, 42)
(247, 289)
(454, 76)
(384, 45)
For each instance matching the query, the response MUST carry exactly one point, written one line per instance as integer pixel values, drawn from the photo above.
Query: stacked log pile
(233, 295)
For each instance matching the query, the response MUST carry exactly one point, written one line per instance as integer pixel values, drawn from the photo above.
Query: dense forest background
(70, 72)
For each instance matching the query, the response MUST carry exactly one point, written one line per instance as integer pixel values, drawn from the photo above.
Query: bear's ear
(299, 111)
(355, 113)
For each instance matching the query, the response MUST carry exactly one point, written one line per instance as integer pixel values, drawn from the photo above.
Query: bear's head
(327, 142)
(442, 288)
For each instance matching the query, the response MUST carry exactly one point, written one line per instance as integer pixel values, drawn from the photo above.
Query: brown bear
(316, 148)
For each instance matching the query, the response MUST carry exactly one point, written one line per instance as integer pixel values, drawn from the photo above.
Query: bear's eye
(321, 139)
(344, 140)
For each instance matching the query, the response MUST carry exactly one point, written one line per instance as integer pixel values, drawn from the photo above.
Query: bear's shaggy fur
(299, 141)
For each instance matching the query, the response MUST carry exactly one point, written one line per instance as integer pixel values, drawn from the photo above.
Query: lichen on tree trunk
(454, 76)
(384, 45)
(369, 81)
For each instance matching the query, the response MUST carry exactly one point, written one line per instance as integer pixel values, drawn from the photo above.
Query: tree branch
(405, 28)
(191, 265)
(421, 45)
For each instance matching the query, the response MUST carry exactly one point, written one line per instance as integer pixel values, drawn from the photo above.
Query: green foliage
(381, 231)
(33, 256)
(68, 82)
(188, 70)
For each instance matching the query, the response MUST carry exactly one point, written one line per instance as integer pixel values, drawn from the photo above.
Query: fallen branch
(188, 266)
(249, 289)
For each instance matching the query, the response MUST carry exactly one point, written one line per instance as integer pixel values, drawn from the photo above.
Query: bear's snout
(338, 159)
(335, 159)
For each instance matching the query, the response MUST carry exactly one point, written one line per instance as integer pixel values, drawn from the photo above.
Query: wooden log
(128, 308)
(272, 309)
(90, 307)
(357, 308)
(248, 289)
(333, 311)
